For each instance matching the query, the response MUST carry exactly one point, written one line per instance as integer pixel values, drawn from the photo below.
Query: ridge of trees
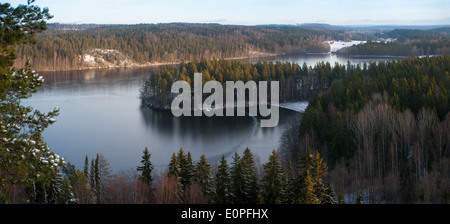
(62, 46)
(297, 82)
(238, 182)
(408, 42)
(415, 48)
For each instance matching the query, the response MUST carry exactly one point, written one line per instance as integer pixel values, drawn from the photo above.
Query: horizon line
(262, 24)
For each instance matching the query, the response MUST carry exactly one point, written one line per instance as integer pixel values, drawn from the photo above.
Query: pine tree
(146, 168)
(24, 153)
(223, 183)
(274, 181)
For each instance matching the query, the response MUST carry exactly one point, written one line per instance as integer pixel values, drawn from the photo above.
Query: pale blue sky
(250, 12)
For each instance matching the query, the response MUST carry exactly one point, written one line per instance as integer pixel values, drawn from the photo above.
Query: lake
(100, 112)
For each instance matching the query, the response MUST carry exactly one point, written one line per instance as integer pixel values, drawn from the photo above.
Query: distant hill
(70, 46)
(79, 46)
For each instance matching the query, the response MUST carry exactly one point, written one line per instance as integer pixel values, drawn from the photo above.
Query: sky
(249, 12)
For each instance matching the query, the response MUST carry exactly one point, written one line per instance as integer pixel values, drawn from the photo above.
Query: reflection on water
(215, 136)
(100, 112)
(312, 59)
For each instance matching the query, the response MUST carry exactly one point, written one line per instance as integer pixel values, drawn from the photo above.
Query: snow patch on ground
(106, 58)
(87, 58)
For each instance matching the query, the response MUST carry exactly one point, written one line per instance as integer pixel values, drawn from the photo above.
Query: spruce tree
(329, 197)
(274, 181)
(60, 190)
(182, 160)
(92, 176)
(223, 183)
(86, 167)
(203, 176)
(291, 185)
(186, 167)
(308, 195)
(190, 168)
(318, 172)
(98, 181)
(237, 179)
(249, 178)
(244, 179)
(146, 173)
(359, 198)
(310, 184)
(174, 167)
(146, 169)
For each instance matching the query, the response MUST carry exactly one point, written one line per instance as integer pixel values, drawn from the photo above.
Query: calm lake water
(100, 112)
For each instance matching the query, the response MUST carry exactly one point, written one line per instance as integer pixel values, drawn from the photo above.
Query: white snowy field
(295, 106)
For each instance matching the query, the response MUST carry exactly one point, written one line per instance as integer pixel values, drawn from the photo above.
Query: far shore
(156, 64)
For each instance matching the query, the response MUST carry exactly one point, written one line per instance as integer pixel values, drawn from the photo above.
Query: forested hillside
(384, 130)
(69, 46)
(383, 127)
(64, 47)
(406, 42)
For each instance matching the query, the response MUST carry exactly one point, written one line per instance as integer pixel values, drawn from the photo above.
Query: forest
(241, 181)
(384, 129)
(70, 46)
(384, 126)
(408, 42)
(372, 133)
(63, 47)
(297, 82)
